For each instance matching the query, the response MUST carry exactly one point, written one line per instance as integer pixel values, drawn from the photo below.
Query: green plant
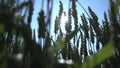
(80, 44)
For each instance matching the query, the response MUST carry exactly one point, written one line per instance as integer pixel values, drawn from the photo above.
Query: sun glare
(64, 20)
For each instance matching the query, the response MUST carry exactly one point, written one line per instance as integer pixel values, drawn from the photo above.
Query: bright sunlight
(64, 20)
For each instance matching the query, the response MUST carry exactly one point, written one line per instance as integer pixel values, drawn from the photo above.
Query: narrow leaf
(100, 56)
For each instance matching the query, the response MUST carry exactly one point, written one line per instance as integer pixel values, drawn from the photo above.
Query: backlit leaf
(100, 56)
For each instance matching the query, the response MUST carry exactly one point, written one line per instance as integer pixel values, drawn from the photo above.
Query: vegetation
(88, 44)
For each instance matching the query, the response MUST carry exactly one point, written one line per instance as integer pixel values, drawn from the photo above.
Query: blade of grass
(100, 56)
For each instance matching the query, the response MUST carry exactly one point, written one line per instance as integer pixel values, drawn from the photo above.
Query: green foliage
(100, 56)
(3, 57)
(117, 5)
(2, 28)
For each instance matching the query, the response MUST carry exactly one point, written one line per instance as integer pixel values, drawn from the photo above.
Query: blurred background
(59, 33)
